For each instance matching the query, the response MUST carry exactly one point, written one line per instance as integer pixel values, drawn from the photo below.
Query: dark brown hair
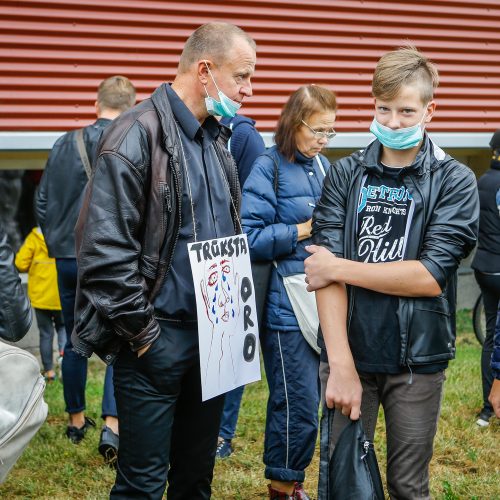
(116, 92)
(303, 103)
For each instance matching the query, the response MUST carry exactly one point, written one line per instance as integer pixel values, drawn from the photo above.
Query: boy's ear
(431, 108)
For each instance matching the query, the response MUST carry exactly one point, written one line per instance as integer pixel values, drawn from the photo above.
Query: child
(394, 221)
(44, 295)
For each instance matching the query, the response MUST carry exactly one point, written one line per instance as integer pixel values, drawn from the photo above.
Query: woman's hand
(304, 230)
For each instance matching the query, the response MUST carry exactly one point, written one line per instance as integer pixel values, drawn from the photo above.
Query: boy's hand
(344, 390)
(318, 267)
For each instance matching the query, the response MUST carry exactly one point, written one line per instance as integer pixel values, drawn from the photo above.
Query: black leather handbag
(353, 472)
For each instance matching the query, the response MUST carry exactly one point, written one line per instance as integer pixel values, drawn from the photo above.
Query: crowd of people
(377, 235)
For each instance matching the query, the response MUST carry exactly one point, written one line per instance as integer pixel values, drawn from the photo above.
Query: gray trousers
(411, 414)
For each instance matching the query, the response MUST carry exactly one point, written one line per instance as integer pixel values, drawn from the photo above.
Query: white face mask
(224, 106)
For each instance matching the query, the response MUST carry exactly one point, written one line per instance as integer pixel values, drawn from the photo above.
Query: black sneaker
(108, 445)
(483, 419)
(76, 434)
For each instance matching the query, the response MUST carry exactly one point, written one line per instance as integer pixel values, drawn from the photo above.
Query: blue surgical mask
(401, 138)
(224, 106)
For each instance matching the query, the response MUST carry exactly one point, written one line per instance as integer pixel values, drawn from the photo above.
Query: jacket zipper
(159, 281)
(353, 249)
(404, 355)
(409, 315)
(179, 201)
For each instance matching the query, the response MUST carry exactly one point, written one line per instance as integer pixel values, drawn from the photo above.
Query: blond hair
(212, 41)
(401, 67)
(116, 92)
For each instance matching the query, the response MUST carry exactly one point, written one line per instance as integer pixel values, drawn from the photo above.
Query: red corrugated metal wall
(54, 53)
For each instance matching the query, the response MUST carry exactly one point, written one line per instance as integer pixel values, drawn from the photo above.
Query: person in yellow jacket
(34, 259)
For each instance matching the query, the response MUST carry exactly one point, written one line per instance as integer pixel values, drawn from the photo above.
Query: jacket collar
(163, 107)
(427, 159)
(302, 159)
(164, 110)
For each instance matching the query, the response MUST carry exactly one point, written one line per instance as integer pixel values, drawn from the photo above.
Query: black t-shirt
(384, 217)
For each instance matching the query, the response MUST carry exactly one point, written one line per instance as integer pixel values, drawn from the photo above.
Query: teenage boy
(392, 225)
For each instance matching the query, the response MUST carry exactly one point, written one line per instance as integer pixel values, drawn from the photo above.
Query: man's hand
(142, 350)
(344, 390)
(494, 397)
(318, 267)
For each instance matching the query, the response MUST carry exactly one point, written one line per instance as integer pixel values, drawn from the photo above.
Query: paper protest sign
(227, 320)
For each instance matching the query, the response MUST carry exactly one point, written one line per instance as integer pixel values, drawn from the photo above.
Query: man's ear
(202, 70)
(97, 109)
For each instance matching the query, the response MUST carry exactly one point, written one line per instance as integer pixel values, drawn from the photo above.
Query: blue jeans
(230, 413)
(47, 320)
(292, 408)
(74, 366)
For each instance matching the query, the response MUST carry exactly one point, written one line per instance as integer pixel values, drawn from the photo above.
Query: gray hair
(211, 41)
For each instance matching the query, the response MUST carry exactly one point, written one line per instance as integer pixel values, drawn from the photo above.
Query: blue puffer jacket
(270, 219)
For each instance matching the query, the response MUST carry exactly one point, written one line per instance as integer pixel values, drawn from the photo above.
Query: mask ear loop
(211, 76)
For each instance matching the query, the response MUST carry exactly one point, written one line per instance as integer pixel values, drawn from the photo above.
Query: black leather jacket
(15, 308)
(129, 225)
(59, 196)
(443, 231)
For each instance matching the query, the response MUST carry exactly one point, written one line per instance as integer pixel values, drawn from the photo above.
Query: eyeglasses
(320, 135)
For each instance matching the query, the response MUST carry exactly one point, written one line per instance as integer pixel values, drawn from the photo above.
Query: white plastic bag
(304, 307)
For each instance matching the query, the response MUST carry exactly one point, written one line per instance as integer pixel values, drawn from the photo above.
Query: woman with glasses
(278, 200)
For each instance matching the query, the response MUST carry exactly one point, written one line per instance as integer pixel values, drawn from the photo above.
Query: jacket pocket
(430, 335)
(92, 328)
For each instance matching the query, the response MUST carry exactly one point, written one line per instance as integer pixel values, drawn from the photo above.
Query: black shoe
(483, 419)
(76, 434)
(108, 445)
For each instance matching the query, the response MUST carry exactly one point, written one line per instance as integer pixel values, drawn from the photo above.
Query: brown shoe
(300, 493)
(279, 495)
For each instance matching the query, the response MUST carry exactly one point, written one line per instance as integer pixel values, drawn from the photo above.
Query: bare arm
(494, 397)
(408, 278)
(343, 388)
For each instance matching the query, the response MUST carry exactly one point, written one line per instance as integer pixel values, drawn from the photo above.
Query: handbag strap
(83, 152)
(320, 164)
(276, 172)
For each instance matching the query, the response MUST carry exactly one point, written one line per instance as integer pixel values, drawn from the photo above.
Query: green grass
(466, 463)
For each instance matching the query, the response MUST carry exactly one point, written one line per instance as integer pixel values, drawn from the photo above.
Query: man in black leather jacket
(58, 202)
(392, 225)
(15, 308)
(163, 179)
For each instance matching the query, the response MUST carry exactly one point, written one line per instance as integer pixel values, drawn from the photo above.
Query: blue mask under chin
(401, 138)
(224, 106)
